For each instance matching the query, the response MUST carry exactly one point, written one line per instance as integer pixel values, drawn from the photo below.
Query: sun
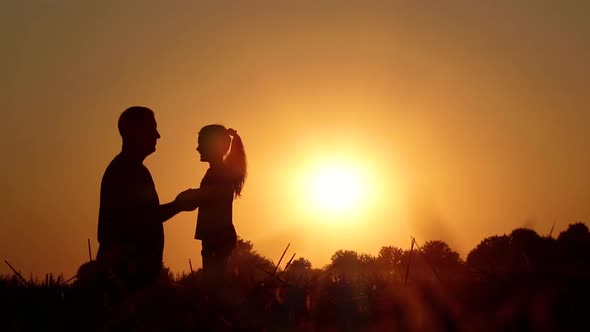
(333, 189)
(336, 189)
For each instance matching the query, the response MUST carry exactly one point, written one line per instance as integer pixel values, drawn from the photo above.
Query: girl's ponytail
(236, 162)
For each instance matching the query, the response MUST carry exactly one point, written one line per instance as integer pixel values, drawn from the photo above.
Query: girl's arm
(211, 193)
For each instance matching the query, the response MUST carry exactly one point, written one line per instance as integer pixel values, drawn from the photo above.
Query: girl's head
(217, 144)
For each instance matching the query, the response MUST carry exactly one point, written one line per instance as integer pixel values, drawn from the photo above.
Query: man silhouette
(130, 217)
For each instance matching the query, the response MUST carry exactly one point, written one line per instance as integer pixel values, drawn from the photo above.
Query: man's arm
(167, 211)
(183, 202)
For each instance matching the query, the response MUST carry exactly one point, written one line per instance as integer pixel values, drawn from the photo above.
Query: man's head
(138, 128)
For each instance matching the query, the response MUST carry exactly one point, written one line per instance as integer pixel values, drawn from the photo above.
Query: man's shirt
(128, 225)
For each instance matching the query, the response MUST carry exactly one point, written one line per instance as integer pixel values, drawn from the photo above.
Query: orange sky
(467, 121)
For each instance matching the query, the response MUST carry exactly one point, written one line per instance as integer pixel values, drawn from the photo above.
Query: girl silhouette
(223, 182)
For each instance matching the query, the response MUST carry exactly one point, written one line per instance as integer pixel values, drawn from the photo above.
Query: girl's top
(214, 219)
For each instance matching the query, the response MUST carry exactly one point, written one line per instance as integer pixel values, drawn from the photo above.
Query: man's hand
(187, 200)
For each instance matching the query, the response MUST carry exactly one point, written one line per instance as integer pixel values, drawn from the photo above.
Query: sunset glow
(310, 166)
